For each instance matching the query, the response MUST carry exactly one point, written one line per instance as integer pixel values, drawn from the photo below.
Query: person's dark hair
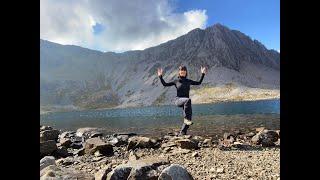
(182, 67)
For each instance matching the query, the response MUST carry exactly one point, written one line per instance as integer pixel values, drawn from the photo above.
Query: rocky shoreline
(90, 154)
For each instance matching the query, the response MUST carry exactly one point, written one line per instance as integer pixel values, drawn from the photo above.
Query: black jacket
(182, 84)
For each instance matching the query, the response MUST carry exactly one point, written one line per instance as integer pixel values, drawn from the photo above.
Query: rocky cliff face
(77, 77)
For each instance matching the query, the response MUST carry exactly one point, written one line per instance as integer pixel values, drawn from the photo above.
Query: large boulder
(47, 161)
(141, 142)
(97, 144)
(47, 147)
(49, 135)
(175, 172)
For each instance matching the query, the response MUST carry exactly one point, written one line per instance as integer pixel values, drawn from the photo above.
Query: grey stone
(137, 169)
(175, 172)
(47, 161)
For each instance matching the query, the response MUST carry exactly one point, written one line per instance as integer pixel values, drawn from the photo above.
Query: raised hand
(203, 70)
(160, 71)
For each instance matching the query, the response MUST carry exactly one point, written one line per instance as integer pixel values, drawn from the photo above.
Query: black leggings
(185, 104)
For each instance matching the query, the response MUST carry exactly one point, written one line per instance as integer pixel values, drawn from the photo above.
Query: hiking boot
(187, 122)
(181, 134)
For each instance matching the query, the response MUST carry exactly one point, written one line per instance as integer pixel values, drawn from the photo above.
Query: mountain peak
(217, 26)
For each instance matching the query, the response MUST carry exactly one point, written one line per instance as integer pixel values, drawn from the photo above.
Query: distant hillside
(239, 68)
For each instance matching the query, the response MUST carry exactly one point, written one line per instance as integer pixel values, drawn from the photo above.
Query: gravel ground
(205, 163)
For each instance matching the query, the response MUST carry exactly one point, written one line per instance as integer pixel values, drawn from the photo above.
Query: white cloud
(129, 25)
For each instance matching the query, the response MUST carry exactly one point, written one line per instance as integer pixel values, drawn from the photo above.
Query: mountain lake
(209, 119)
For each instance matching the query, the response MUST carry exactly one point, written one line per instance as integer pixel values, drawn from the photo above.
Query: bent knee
(188, 100)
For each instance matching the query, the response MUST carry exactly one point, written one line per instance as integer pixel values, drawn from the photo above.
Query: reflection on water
(209, 119)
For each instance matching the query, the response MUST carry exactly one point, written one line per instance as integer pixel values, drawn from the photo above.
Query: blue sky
(260, 19)
(122, 25)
